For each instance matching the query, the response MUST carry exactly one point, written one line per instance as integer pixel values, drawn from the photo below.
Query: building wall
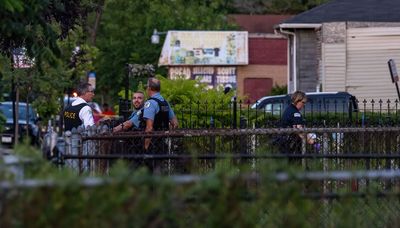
(267, 59)
(307, 63)
(276, 72)
(333, 64)
(269, 51)
(368, 51)
(355, 58)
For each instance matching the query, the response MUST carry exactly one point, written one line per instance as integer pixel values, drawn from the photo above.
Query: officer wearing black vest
(79, 112)
(157, 113)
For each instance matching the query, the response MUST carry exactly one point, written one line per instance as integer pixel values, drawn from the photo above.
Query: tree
(39, 27)
(272, 6)
(126, 27)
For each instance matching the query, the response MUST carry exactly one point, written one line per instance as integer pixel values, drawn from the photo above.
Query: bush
(195, 104)
(221, 199)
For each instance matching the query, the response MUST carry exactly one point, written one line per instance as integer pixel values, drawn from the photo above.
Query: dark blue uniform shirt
(292, 116)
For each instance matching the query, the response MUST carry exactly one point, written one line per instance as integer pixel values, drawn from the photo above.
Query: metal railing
(239, 114)
(200, 151)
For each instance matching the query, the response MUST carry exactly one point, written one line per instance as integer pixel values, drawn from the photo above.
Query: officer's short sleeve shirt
(134, 118)
(292, 116)
(151, 108)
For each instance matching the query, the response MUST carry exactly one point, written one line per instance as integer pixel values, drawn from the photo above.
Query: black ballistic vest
(161, 119)
(71, 116)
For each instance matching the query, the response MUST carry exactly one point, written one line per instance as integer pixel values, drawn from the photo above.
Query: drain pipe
(288, 33)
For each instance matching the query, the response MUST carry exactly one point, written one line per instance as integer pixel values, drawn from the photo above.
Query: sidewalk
(5, 150)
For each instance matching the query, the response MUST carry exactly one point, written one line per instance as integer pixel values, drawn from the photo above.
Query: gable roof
(351, 10)
(257, 23)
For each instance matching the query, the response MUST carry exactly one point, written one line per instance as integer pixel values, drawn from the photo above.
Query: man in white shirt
(79, 112)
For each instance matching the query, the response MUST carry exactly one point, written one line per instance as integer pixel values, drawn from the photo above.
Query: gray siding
(307, 63)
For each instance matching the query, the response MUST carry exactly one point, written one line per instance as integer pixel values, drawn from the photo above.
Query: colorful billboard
(205, 48)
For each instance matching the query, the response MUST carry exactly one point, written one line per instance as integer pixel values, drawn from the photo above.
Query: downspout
(294, 59)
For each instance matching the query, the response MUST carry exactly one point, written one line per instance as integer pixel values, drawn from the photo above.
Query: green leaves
(126, 28)
(12, 5)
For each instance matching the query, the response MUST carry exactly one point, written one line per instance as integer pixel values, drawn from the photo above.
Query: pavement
(4, 150)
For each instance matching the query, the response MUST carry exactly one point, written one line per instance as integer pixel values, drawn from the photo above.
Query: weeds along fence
(238, 114)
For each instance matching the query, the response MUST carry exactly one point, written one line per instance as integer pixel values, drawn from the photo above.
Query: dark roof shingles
(351, 10)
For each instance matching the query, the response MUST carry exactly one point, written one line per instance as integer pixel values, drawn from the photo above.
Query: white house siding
(368, 51)
(333, 74)
(334, 67)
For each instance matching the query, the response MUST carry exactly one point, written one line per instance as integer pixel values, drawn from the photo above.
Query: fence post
(234, 116)
(243, 142)
(75, 144)
(124, 107)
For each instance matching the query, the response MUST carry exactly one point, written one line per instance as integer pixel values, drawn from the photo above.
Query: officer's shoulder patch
(296, 114)
(147, 104)
(139, 112)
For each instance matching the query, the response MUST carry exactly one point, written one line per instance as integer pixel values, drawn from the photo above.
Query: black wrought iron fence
(201, 151)
(239, 114)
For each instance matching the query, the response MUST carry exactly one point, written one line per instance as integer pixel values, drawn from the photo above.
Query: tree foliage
(38, 25)
(272, 6)
(193, 102)
(126, 28)
(110, 34)
(45, 29)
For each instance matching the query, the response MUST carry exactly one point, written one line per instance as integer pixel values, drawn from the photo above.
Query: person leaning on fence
(135, 120)
(157, 114)
(292, 118)
(79, 113)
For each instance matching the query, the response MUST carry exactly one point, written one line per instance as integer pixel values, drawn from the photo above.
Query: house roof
(350, 10)
(257, 23)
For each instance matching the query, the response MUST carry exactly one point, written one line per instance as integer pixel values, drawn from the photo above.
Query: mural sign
(205, 48)
(212, 76)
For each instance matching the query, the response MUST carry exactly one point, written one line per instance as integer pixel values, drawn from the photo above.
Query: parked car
(323, 102)
(27, 122)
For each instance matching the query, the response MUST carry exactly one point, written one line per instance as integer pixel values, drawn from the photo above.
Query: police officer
(135, 120)
(157, 113)
(292, 118)
(79, 112)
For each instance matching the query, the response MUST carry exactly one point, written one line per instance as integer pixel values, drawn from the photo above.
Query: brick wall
(267, 51)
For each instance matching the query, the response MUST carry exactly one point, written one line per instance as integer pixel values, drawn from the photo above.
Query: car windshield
(6, 109)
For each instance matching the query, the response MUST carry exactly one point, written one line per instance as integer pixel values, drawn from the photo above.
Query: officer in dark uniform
(292, 118)
(79, 113)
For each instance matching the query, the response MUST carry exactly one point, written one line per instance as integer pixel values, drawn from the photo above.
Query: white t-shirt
(85, 114)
